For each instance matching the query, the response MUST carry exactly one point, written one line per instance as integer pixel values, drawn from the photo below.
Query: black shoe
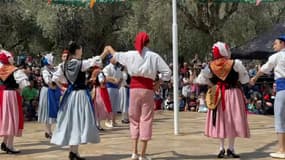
(3, 146)
(74, 156)
(10, 151)
(125, 121)
(230, 153)
(221, 154)
(48, 136)
(101, 129)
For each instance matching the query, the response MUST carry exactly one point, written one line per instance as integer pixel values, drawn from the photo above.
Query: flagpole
(175, 67)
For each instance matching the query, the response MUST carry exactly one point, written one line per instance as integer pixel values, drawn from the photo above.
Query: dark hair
(146, 43)
(72, 47)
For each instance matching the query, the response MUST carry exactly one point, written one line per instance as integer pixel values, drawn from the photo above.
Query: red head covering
(141, 39)
(4, 58)
(216, 53)
(220, 50)
(65, 51)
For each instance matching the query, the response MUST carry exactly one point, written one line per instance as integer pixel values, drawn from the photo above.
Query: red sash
(106, 99)
(141, 82)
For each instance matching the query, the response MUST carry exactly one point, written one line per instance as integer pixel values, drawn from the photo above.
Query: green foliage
(34, 26)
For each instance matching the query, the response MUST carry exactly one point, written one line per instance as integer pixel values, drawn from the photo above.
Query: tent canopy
(261, 46)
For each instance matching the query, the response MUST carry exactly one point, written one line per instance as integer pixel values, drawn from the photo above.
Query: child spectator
(181, 102)
(192, 104)
(251, 106)
(202, 108)
(168, 103)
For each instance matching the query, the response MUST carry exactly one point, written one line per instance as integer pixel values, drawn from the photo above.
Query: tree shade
(82, 3)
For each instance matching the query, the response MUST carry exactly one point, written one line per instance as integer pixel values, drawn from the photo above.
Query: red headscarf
(141, 39)
(4, 58)
(65, 51)
(220, 50)
(7, 68)
(216, 53)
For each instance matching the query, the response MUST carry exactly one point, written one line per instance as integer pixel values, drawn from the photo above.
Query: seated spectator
(30, 101)
(202, 108)
(182, 102)
(168, 103)
(259, 109)
(251, 106)
(268, 104)
(192, 104)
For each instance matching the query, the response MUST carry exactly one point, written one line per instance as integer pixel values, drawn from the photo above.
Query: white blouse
(47, 75)
(101, 77)
(110, 71)
(276, 62)
(21, 78)
(58, 76)
(147, 65)
(206, 74)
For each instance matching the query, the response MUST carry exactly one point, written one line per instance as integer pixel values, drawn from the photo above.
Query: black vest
(10, 83)
(80, 82)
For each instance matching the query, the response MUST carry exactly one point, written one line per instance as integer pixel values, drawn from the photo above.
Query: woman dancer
(76, 119)
(229, 119)
(49, 96)
(11, 113)
(101, 99)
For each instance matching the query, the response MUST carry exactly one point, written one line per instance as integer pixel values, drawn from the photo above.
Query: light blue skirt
(279, 111)
(43, 111)
(115, 99)
(124, 99)
(76, 121)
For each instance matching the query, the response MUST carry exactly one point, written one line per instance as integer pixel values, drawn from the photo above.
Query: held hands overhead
(107, 50)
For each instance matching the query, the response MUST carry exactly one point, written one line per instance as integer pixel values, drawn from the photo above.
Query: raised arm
(94, 61)
(265, 69)
(110, 50)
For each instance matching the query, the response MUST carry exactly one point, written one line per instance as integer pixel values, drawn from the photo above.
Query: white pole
(175, 67)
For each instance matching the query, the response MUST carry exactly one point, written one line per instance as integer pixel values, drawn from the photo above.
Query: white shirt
(206, 74)
(147, 65)
(276, 62)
